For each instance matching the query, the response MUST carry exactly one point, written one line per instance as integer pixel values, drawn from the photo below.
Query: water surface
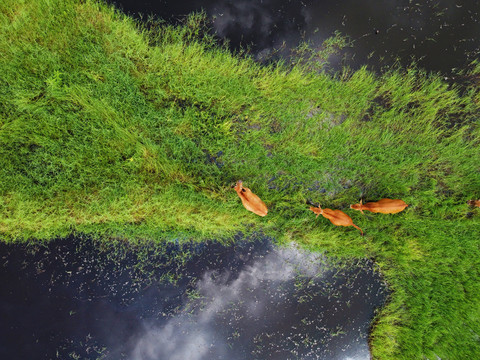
(439, 34)
(250, 300)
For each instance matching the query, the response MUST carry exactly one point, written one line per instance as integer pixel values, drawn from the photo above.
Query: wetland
(120, 141)
(75, 298)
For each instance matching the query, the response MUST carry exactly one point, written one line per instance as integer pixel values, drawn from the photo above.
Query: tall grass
(115, 130)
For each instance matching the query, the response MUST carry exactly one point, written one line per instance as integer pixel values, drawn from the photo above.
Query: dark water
(440, 34)
(73, 299)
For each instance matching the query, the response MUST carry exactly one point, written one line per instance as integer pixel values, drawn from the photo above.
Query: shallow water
(250, 300)
(439, 34)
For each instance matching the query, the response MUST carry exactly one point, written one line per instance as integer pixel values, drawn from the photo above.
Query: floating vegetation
(248, 300)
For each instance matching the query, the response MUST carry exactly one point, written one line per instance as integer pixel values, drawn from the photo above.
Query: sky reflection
(439, 34)
(281, 306)
(247, 300)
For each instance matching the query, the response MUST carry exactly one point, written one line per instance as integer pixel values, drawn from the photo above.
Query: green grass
(117, 131)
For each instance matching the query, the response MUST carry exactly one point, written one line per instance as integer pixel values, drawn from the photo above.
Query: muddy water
(75, 299)
(439, 34)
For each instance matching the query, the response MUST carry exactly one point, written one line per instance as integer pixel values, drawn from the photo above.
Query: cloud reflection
(262, 311)
(440, 35)
(205, 332)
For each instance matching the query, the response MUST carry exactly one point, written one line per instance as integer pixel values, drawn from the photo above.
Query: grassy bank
(120, 132)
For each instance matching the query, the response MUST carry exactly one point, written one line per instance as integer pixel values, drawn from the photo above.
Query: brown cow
(336, 217)
(251, 201)
(384, 206)
(474, 203)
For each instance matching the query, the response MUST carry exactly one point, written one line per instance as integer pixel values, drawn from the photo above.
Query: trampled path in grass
(113, 130)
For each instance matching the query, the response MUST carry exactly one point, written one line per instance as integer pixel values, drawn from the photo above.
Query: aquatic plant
(128, 133)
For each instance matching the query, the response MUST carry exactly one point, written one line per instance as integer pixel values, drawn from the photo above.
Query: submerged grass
(114, 130)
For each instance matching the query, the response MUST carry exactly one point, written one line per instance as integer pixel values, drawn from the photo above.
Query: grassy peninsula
(114, 130)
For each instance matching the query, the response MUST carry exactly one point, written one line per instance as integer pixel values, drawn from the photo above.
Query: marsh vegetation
(126, 133)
